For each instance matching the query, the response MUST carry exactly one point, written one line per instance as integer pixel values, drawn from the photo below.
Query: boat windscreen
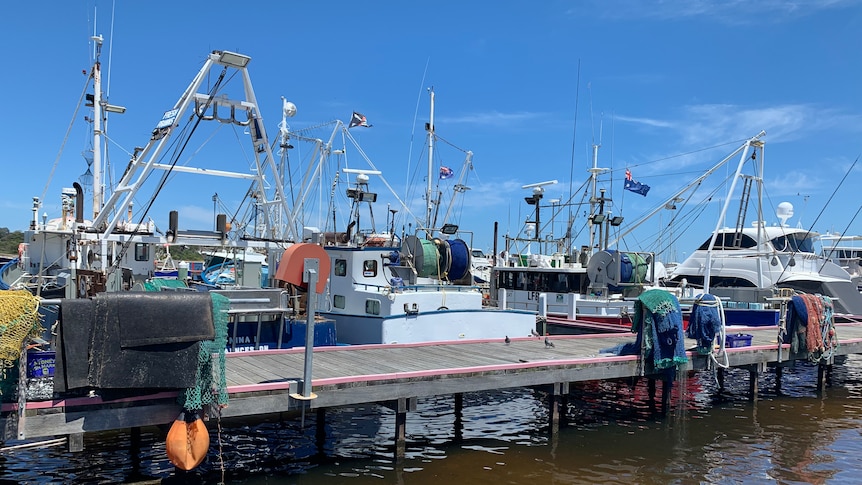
(793, 243)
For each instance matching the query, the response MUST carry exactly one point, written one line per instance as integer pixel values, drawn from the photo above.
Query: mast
(752, 142)
(594, 201)
(97, 128)
(430, 163)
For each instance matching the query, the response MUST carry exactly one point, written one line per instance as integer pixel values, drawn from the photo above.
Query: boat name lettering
(247, 348)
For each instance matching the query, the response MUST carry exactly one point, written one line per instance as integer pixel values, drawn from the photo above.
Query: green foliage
(185, 253)
(9, 240)
(181, 253)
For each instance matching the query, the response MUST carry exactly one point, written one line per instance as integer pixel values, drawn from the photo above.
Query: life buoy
(187, 442)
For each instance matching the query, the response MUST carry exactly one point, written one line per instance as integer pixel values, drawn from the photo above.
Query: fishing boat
(113, 246)
(592, 290)
(481, 266)
(588, 291)
(415, 286)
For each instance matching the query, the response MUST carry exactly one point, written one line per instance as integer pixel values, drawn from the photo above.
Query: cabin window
(142, 252)
(793, 243)
(340, 268)
(542, 282)
(338, 301)
(727, 282)
(726, 241)
(520, 280)
(372, 307)
(369, 267)
(506, 280)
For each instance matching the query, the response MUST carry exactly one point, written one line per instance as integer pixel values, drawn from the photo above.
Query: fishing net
(211, 385)
(157, 284)
(19, 319)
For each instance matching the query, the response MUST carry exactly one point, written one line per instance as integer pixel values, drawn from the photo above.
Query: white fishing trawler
(413, 287)
(586, 291)
(105, 239)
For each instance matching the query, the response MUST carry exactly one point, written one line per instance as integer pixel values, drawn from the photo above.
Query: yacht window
(369, 267)
(793, 243)
(726, 241)
(338, 301)
(340, 267)
(142, 252)
(729, 282)
(477, 253)
(372, 307)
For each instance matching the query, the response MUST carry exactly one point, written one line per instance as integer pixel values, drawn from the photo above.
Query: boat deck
(265, 382)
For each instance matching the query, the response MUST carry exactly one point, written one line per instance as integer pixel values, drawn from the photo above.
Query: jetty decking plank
(262, 382)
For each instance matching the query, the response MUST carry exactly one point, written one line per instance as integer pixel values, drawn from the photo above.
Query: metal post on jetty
(309, 276)
(543, 312)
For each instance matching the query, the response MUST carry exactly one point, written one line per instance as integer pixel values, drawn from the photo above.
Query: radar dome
(784, 212)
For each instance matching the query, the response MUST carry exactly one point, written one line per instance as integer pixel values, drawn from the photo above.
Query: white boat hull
(433, 326)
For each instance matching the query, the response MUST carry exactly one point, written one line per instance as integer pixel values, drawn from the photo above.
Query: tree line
(9, 240)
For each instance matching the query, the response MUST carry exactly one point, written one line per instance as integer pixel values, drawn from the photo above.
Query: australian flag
(446, 173)
(634, 186)
(358, 120)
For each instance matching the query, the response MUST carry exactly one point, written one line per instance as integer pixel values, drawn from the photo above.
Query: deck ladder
(743, 209)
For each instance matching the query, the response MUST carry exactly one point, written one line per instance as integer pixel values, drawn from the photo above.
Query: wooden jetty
(270, 381)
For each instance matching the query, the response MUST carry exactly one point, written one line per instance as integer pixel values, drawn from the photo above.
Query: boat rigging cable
(66, 136)
(807, 233)
(568, 236)
(843, 233)
(118, 260)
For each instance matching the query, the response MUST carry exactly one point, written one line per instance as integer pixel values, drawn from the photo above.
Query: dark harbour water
(610, 436)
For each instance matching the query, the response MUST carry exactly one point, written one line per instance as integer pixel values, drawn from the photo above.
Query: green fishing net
(211, 385)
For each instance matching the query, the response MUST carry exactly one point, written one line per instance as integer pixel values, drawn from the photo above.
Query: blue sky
(667, 88)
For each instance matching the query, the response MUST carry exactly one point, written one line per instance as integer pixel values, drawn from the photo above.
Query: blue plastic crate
(737, 340)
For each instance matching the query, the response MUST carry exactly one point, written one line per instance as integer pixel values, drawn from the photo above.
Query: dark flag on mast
(358, 120)
(634, 186)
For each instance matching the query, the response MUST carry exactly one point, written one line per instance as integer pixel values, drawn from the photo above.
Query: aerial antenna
(110, 51)
(413, 130)
(804, 206)
(572, 163)
(535, 199)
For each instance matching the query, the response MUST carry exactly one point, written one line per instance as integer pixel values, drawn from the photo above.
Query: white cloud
(491, 118)
(725, 11)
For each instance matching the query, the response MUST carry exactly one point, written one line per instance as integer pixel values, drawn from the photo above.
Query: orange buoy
(187, 442)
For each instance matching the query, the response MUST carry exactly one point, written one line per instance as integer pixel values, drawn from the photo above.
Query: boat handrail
(416, 288)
